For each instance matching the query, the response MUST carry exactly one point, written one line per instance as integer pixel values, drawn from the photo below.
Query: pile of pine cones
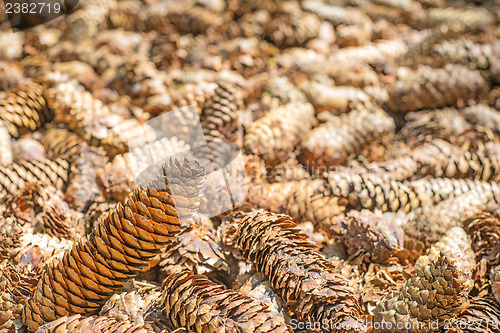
(370, 133)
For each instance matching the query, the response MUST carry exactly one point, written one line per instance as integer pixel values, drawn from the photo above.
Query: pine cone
(464, 52)
(50, 247)
(484, 230)
(196, 303)
(368, 237)
(48, 172)
(428, 88)
(281, 252)
(5, 142)
(370, 53)
(279, 131)
(96, 209)
(10, 233)
(495, 283)
(434, 292)
(93, 324)
(196, 250)
(115, 252)
(337, 15)
(288, 170)
(87, 21)
(483, 115)
(195, 20)
(481, 316)
(118, 178)
(294, 29)
(334, 142)
(472, 19)
(24, 109)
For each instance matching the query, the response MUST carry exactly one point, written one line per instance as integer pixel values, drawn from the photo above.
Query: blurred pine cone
(484, 230)
(211, 308)
(293, 29)
(495, 283)
(306, 281)
(472, 19)
(10, 233)
(428, 88)
(118, 248)
(483, 115)
(464, 52)
(87, 21)
(481, 316)
(93, 324)
(195, 20)
(5, 142)
(24, 109)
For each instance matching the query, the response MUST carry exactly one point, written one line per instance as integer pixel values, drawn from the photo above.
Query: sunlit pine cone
(62, 142)
(24, 109)
(197, 250)
(337, 15)
(304, 278)
(370, 53)
(100, 59)
(472, 19)
(279, 131)
(464, 52)
(50, 247)
(484, 230)
(10, 236)
(481, 316)
(293, 29)
(49, 172)
(6, 156)
(93, 324)
(198, 304)
(333, 142)
(288, 170)
(396, 169)
(368, 237)
(280, 91)
(428, 88)
(195, 20)
(119, 247)
(98, 207)
(87, 21)
(434, 292)
(483, 115)
(118, 178)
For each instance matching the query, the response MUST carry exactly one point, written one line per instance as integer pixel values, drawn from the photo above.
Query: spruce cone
(434, 292)
(10, 233)
(195, 20)
(305, 280)
(368, 237)
(6, 151)
(370, 53)
(295, 29)
(464, 52)
(334, 142)
(495, 283)
(24, 109)
(279, 131)
(93, 324)
(481, 316)
(17, 175)
(484, 230)
(197, 304)
(197, 250)
(337, 15)
(472, 19)
(483, 115)
(119, 247)
(61, 142)
(96, 209)
(429, 88)
(86, 22)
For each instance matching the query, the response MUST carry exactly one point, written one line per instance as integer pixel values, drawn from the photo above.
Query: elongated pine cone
(483, 115)
(49, 172)
(304, 278)
(293, 29)
(118, 248)
(197, 304)
(194, 20)
(93, 324)
(434, 292)
(464, 52)
(62, 142)
(10, 236)
(429, 88)
(484, 230)
(24, 109)
(279, 131)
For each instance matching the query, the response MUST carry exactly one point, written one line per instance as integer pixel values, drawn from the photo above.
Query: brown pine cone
(381, 50)
(125, 16)
(464, 52)
(197, 304)
(434, 292)
(98, 207)
(62, 142)
(304, 278)
(119, 247)
(335, 141)
(483, 115)
(292, 29)
(428, 88)
(93, 324)
(337, 15)
(368, 237)
(6, 156)
(195, 20)
(279, 131)
(24, 109)
(288, 170)
(197, 250)
(484, 230)
(118, 178)
(472, 19)
(10, 236)
(481, 316)
(49, 172)
(87, 21)
(495, 283)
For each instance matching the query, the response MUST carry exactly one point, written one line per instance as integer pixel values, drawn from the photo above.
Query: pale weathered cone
(197, 304)
(24, 109)
(293, 29)
(484, 115)
(434, 292)
(473, 19)
(119, 247)
(304, 278)
(93, 324)
(6, 156)
(463, 51)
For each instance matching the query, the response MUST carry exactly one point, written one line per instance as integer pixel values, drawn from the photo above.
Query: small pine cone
(87, 21)
(370, 53)
(196, 250)
(484, 230)
(197, 304)
(24, 109)
(481, 316)
(472, 19)
(100, 59)
(118, 178)
(335, 141)
(337, 15)
(495, 283)
(130, 306)
(434, 292)
(195, 20)
(80, 71)
(49, 172)
(125, 16)
(279, 131)
(294, 29)
(368, 237)
(10, 236)
(396, 169)
(456, 246)
(93, 324)
(372, 192)
(96, 209)
(62, 142)
(119, 247)
(336, 99)
(428, 88)
(428, 224)
(6, 156)
(280, 91)
(16, 285)
(464, 52)
(483, 115)
(353, 35)
(10, 77)
(304, 278)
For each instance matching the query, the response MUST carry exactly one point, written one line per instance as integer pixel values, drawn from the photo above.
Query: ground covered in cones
(370, 137)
